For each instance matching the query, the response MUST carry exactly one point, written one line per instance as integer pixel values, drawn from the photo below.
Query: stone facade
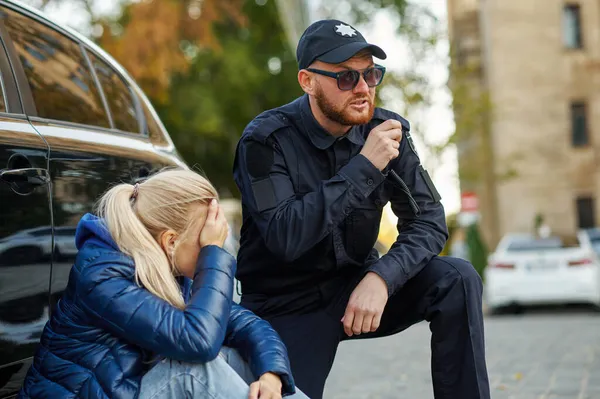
(532, 78)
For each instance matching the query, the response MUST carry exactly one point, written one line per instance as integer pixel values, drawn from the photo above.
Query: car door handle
(32, 176)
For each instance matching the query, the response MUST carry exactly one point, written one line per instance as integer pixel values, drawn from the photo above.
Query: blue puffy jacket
(107, 331)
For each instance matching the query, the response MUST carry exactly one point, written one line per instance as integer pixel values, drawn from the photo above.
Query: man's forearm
(418, 242)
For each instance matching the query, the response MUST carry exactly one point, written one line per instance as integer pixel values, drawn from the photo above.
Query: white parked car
(528, 270)
(593, 235)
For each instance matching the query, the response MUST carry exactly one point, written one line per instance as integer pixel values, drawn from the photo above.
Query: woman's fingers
(254, 390)
(213, 211)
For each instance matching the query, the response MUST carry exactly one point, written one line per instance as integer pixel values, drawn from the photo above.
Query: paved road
(538, 355)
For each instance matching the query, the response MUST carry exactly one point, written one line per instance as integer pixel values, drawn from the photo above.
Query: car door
(89, 115)
(25, 232)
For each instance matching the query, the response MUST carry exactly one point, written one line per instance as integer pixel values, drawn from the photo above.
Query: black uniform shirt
(312, 205)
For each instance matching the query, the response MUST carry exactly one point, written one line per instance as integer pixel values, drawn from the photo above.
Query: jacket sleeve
(260, 345)
(291, 224)
(127, 310)
(421, 237)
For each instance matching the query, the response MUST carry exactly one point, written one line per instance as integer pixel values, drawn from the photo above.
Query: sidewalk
(546, 355)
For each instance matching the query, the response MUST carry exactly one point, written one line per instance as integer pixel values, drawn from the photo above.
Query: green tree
(477, 249)
(209, 67)
(210, 104)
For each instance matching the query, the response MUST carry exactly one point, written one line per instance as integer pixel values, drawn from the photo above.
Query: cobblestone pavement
(536, 355)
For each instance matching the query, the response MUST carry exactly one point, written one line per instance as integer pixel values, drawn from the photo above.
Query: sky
(437, 121)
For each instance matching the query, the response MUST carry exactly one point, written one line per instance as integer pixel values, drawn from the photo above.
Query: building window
(586, 217)
(579, 129)
(572, 26)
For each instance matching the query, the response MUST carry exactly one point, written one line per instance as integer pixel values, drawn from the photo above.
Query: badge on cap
(345, 30)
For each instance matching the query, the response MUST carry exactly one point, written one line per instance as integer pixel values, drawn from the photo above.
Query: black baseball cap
(332, 41)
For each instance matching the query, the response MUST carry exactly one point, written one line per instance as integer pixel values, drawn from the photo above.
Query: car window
(2, 94)
(594, 236)
(532, 244)
(61, 83)
(118, 96)
(154, 131)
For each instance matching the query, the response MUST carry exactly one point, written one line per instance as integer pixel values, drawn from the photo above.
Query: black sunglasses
(347, 80)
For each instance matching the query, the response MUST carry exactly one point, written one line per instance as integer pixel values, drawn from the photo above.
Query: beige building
(534, 147)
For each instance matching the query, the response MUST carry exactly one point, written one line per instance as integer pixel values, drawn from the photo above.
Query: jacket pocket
(362, 230)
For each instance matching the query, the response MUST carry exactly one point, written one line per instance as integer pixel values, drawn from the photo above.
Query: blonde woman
(147, 312)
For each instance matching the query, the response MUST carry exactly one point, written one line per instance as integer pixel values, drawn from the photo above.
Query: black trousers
(447, 293)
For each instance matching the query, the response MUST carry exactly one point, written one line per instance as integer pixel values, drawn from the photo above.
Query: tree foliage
(478, 252)
(155, 40)
(210, 66)
(212, 102)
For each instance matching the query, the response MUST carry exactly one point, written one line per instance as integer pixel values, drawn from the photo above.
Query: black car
(72, 123)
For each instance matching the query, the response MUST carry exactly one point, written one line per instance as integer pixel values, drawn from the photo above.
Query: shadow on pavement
(545, 310)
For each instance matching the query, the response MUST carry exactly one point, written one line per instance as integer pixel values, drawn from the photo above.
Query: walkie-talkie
(398, 180)
(402, 186)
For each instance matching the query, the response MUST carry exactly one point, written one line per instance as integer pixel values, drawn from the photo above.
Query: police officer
(314, 176)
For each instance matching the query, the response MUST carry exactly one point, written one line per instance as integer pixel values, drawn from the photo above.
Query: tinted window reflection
(118, 96)
(2, 93)
(79, 178)
(153, 130)
(25, 253)
(60, 80)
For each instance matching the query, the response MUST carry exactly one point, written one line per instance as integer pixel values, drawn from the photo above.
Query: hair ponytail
(164, 201)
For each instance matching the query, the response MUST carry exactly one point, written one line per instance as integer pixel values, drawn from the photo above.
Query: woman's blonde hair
(137, 215)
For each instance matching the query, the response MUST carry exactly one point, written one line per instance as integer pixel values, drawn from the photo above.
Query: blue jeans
(226, 377)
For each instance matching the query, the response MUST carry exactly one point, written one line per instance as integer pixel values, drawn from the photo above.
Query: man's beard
(343, 114)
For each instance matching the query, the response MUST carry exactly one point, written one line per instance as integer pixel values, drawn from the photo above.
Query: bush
(477, 250)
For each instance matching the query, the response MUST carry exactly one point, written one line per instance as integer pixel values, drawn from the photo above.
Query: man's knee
(464, 271)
